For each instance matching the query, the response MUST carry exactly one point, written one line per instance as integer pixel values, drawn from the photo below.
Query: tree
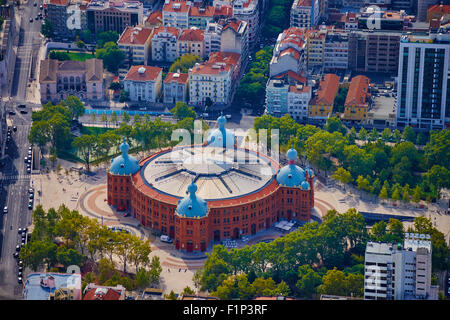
(352, 136)
(184, 63)
(171, 296)
(104, 118)
(333, 282)
(47, 29)
(105, 37)
(111, 55)
(125, 117)
(155, 270)
(124, 95)
(373, 135)
(37, 253)
(69, 256)
(362, 134)
(406, 193)
(363, 183)
(334, 124)
(182, 111)
(188, 291)
(85, 144)
(308, 281)
(417, 194)
(75, 106)
(342, 175)
(409, 134)
(397, 136)
(386, 134)
(395, 193)
(439, 177)
(437, 150)
(421, 139)
(142, 279)
(384, 193)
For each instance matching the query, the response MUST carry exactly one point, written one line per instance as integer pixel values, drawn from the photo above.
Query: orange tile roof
(172, 30)
(304, 3)
(59, 2)
(111, 294)
(439, 8)
(290, 52)
(155, 18)
(192, 35)
(328, 89)
(293, 35)
(232, 23)
(150, 74)
(291, 74)
(358, 91)
(217, 63)
(172, 76)
(202, 12)
(296, 89)
(176, 6)
(135, 35)
(223, 11)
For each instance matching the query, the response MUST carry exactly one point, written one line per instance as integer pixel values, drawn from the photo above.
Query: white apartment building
(164, 44)
(423, 83)
(289, 52)
(248, 11)
(144, 83)
(176, 87)
(175, 13)
(214, 80)
(212, 38)
(335, 56)
(304, 13)
(396, 272)
(298, 101)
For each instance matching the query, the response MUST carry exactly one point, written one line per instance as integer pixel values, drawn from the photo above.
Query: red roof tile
(176, 6)
(149, 73)
(358, 91)
(223, 11)
(439, 8)
(135, 35)
(59, 2)
(110, 294)
(155, 18)
(172, 30)
(202, 12)
(175, 76)
(192, 35)
(328, 89)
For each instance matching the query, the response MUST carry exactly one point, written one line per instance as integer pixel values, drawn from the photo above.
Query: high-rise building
(396, 272)
(304, 13)
(423, 90)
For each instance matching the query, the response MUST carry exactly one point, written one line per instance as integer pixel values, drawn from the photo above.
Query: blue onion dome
(221, 137)
(124, 164)
(291, 175)
(305, 185)
(192, 206)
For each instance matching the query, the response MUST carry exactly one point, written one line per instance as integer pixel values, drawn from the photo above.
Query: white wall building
(144, 83)
(396, 272)
(164, 44)
(304, 13)
(248, 11)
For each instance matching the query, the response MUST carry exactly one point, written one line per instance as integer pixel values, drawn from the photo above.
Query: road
(15, 180)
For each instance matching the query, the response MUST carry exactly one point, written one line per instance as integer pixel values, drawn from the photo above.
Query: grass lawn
(79, 56)
(94, 130)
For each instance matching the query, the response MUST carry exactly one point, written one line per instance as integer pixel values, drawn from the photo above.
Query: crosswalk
(16, 177)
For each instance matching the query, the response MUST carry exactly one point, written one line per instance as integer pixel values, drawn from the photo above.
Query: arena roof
(218, 173)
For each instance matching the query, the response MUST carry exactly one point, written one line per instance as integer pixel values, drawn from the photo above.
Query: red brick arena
(201, 194)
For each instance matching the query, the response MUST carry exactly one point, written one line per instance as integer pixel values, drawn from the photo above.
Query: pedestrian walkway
(16, 177)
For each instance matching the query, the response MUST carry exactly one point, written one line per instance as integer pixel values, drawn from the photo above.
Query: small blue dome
(305, 185)
(291, 176)
(221, 137)
(124, 164)
(292, 154)
(192, 206)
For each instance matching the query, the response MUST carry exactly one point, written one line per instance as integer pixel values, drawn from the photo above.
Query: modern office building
(423, 83)
(114, 15)
(399, 272)
(202, 194)
(335, 56)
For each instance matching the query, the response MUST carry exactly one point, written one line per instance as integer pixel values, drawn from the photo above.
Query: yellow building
(321, 106)
(357, 101)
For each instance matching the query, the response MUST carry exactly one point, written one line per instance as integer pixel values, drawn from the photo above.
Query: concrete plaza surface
(87, 194)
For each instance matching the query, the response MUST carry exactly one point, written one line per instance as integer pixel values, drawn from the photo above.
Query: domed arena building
(200, 194)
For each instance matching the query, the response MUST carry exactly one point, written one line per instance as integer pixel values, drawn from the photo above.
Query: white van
(165, 238)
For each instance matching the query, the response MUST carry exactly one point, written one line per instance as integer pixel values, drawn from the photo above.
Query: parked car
(5, 209)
